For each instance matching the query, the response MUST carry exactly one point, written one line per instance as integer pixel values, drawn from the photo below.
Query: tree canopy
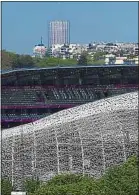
(119, 180)
(12, 60)
(83, 59)
(6, 186)
(98, 56)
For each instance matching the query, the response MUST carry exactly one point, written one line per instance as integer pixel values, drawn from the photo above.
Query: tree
(52, 61)
(83, 59)
(25, 61)
(131, 56)
(98, 56)
(16, 61)
(48, 52)
(121, 53)
(63, 179)
(31, 185)
(6, 59)
(119, 180)
(6, 187)
(12, 60)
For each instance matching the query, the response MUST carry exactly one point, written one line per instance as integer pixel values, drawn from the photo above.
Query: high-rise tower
(59, 32)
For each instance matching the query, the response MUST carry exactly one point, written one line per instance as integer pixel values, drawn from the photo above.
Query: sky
(23, 23)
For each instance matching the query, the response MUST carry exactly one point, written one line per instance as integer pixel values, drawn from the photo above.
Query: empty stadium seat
(39, 95)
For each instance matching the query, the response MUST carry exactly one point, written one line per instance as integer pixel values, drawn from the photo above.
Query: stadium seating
(36, 95)
(23, 96)
(51, 95)
(77, 95)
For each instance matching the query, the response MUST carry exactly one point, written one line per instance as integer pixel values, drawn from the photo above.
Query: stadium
(81, 120)
(31, 94)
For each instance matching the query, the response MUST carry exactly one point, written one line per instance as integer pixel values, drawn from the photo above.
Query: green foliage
(7, 59)
(52, 61)
(67, 185)
(98, 62)
(83, 59)
(119, 180)
(6, 187)
(31, 185)
(11, 60)
(97, 59)
(25, 61)
(98, 55)
(47, 54)
(131, 56)
(69, 178)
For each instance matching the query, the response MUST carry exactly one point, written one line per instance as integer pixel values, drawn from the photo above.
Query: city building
(136, 50)
(132, 61)
(110, 59)
(120, 60)
(59, 32)
(39, 50)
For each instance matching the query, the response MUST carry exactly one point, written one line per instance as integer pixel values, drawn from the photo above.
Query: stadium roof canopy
(63, 67)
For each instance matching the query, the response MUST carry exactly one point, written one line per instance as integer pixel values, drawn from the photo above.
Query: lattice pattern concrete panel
(84, 139)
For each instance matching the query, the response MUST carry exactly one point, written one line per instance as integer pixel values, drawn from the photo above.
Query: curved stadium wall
(86, 139)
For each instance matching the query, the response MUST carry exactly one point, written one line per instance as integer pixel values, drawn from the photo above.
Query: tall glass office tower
(59, 32)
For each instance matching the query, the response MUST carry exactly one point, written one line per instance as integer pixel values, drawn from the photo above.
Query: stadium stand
(29, 94)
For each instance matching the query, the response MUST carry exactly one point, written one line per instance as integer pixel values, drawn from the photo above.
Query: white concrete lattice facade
(85, 139)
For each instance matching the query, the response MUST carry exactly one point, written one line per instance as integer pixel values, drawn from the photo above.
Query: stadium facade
(31, 94)
(86, 139)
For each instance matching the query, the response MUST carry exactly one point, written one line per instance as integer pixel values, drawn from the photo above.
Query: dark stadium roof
(63, 67)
